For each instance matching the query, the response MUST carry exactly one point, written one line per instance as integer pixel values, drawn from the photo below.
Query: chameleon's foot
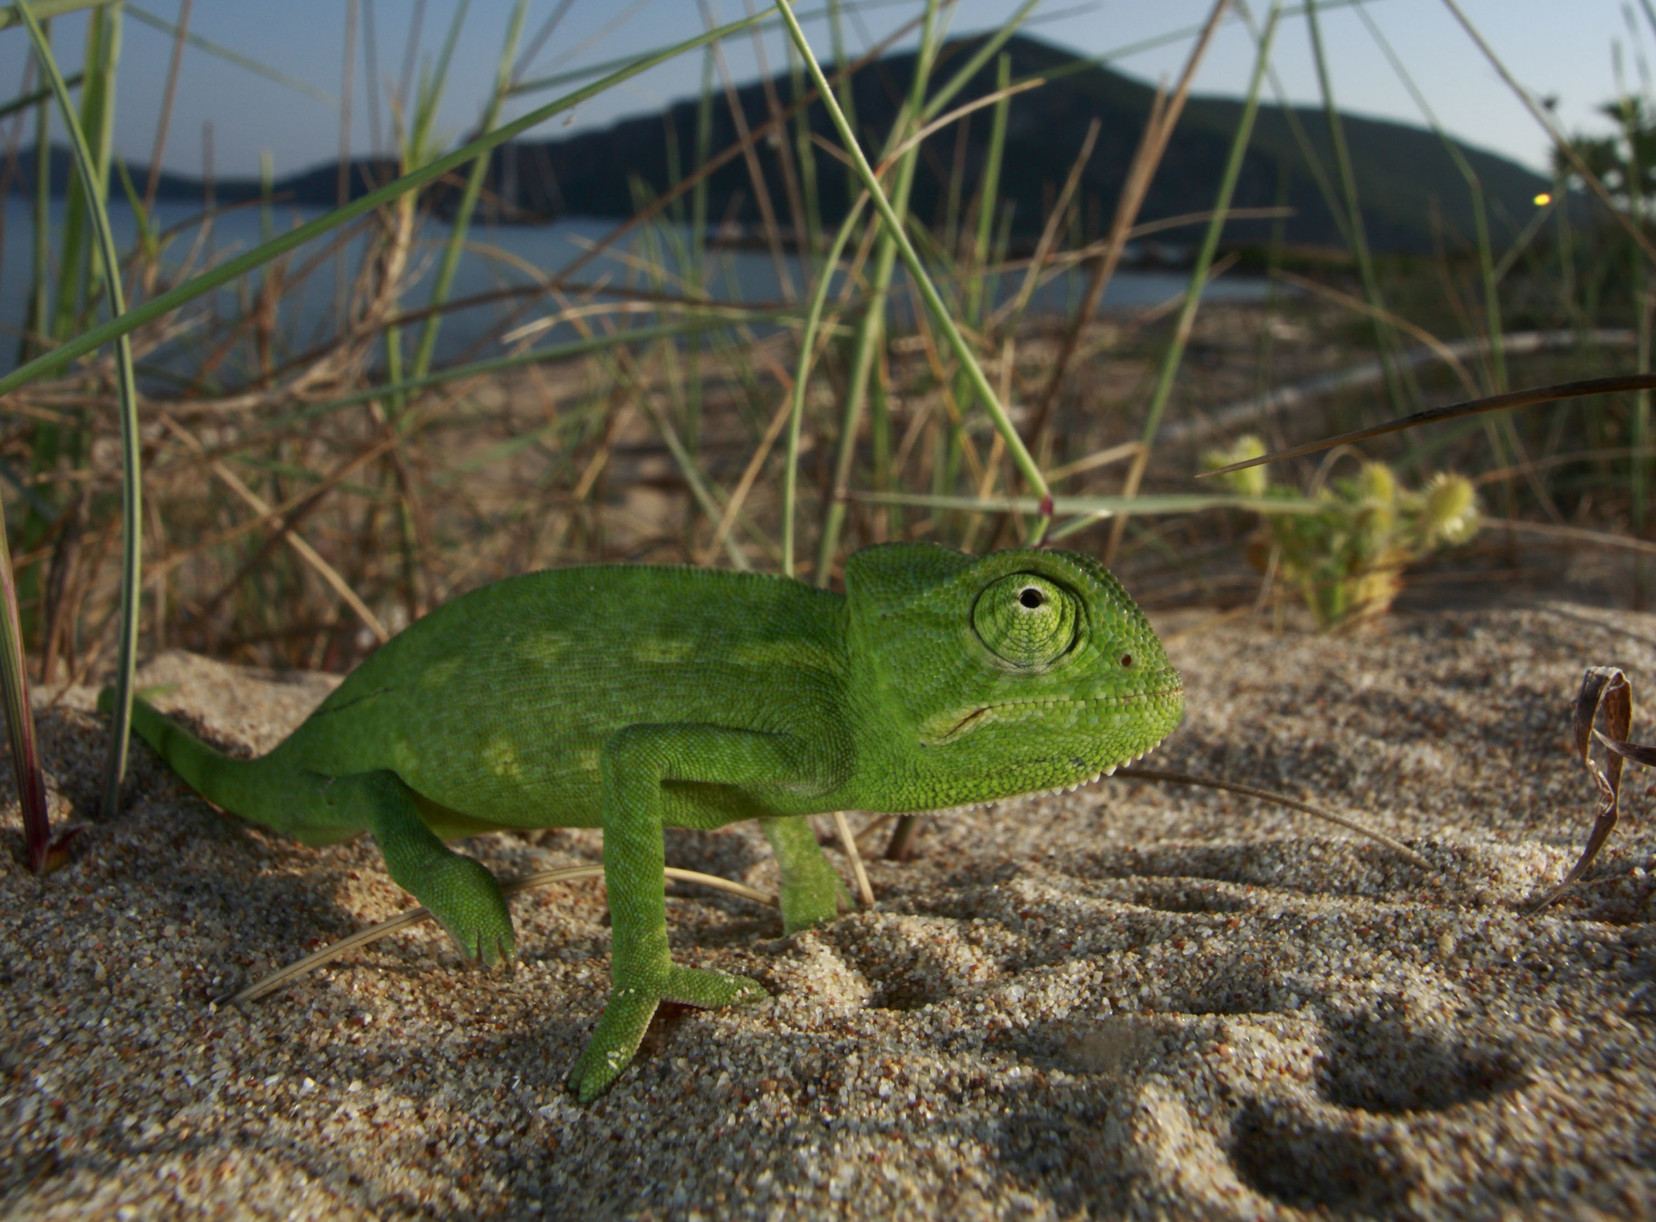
(466, 900)
(627, 1016)
(459, 892)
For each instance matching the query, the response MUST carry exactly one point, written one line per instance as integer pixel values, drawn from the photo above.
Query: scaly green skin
(633, 699)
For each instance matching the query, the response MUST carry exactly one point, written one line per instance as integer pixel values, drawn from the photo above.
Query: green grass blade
(1383, 338)
(1174, 354)
(131, 475)
(985, 52)
(461, 222)
(45, 10)
(426, 110)
(1210, 241)
(805, 155)
(928, 291)
(72, 254)
(40, 284)
(979, 287)
(802, 377)
(846, 95)
(871, 327)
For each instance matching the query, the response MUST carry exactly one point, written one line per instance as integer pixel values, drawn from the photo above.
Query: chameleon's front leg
(632, 766)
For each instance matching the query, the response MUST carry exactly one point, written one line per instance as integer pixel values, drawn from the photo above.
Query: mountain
(1414, 197)
(1405, 176)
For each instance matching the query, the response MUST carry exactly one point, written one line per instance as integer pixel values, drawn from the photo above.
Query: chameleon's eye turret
(1026, 620)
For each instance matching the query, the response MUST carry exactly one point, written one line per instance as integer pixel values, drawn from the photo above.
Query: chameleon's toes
(595, 1071)
(488, 942)
(620, 1029)
(490, 949)
(466, 900)
(627, 1016)
(692, 986)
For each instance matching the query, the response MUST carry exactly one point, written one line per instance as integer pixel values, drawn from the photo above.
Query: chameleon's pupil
(1031, 598)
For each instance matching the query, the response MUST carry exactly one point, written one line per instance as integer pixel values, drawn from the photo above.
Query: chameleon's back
(496, 704)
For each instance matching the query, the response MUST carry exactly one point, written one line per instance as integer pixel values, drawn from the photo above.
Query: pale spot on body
(441, 673)
(543, 647)
(500, 757)
(769, 656)
(663, 650)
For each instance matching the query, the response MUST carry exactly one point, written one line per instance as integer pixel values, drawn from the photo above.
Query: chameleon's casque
(637, 698)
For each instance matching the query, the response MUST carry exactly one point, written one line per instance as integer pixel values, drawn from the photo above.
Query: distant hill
(1405, 177)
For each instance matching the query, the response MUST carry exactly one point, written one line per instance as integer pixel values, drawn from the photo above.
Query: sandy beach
(1135, 1000)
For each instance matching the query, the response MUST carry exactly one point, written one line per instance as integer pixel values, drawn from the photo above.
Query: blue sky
(1561, 48)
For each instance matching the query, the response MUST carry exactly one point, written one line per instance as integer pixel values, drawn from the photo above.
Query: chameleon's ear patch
(882, 578)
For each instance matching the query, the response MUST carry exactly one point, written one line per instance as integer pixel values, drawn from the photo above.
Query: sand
(1135, 1000)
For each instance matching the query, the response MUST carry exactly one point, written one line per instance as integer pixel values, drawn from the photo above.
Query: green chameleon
(636, 698)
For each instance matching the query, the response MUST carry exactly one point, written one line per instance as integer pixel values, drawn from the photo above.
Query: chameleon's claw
(489, 951)
(627, 1016)
(466, 900)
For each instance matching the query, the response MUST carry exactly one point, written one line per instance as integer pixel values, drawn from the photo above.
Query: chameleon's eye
(1026, 620)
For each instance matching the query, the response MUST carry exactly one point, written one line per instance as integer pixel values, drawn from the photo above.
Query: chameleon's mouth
(941, 731)
(965, 723)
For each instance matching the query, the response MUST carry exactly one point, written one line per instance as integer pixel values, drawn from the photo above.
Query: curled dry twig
(1606, 690)
(1266, 795)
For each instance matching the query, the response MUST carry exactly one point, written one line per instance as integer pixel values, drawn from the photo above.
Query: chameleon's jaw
(1099, 776)
(963, 807)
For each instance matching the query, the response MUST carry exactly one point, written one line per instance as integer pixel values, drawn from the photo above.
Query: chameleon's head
(1016, 672)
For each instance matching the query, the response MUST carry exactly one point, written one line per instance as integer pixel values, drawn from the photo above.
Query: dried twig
(541, 878)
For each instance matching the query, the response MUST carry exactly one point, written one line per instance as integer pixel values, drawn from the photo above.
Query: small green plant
(1347, 558)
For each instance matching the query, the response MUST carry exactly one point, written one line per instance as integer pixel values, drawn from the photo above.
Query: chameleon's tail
(264, 790)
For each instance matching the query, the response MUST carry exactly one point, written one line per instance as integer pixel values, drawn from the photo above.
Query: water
(498, 260)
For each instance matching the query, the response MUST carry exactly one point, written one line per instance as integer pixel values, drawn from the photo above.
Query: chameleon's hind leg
(460, 892)
(812, 893)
